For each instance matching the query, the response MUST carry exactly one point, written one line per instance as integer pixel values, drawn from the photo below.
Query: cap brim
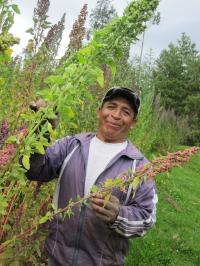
(123, 94)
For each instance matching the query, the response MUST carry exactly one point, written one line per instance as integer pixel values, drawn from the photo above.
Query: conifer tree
(176, 79)
(102, 14)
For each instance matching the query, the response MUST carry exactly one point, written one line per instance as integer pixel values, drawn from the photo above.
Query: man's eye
(127, 113)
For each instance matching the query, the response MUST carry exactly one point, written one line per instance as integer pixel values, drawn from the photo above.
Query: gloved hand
(35, 106)
(107, 213)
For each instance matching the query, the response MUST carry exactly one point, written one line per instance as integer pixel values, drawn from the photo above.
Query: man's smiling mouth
(113, 124)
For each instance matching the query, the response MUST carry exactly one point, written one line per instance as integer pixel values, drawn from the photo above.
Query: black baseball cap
(125, 93)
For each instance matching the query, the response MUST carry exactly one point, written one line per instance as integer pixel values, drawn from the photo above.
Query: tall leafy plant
(77, 33)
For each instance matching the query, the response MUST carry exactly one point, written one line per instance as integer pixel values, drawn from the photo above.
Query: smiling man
(117, 114)
(97, 234)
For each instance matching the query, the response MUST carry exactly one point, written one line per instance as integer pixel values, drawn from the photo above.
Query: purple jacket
(83, 239)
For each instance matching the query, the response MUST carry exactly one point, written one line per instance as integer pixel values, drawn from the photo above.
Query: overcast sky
(177, 16)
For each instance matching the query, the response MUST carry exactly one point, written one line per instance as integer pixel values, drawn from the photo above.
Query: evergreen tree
(177, 80)
(102, 14)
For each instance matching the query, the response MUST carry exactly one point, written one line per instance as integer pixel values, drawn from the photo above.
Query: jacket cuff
(114, 224)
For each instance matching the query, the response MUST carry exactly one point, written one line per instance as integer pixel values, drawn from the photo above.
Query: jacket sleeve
(46, 167)
(139, 215)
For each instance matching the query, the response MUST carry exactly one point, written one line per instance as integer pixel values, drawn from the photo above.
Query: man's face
(115, 119)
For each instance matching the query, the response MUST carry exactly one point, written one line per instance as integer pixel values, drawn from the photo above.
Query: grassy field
(175, 240)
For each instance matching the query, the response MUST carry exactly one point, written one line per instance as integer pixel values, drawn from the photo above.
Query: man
(97, 234)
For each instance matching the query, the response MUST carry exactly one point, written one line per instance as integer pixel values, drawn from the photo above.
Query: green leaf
(2, 81)
(26, 161)
(49, 127)
(27, 117)
(82, 59)
(73, 125)
(51, 114)
(100, 79)
(50, 130)
(3, 205)
(69, 112)
(113, 67)
(69, 213)
(53, 207)
(11, 139)
(37, 248)
(15, 8)
(109, 182)
(7, 227)
(43, 219)
(40, 147)
(106, 199)
(94, 189)
(54, 79)
(84, 52)
(136, 182)
(30, 30)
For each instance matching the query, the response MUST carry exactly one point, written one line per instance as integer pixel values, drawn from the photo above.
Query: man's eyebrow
(124, 107)
(111, 102)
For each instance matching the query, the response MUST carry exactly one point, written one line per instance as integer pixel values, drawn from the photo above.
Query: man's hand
(35, 106)
(107, 213)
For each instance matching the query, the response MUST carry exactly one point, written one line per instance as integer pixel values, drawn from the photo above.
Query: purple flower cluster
(8, 150)
(6, 153)
(3, 132)
(165, 163)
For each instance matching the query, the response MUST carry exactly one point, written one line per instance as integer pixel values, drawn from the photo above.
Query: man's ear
(133, 123)
(98, 112)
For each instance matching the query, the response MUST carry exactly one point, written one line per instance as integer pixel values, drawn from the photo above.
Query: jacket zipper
(78, 234)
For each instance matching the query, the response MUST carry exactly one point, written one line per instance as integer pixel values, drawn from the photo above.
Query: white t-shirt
(100, 154)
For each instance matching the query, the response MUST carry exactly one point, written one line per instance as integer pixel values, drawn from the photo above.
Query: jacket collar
(131, 151)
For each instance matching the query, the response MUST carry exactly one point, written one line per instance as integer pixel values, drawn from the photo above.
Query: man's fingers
(102, 217)
(101, 203)
(106, 212)
(114, 199)
(97, 201)
(100, 209)
(109, 205)
(101, 195)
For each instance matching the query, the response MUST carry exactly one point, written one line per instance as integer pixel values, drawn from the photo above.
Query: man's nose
(116, 114)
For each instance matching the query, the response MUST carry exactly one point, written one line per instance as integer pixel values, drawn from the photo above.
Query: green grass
(175, 240)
